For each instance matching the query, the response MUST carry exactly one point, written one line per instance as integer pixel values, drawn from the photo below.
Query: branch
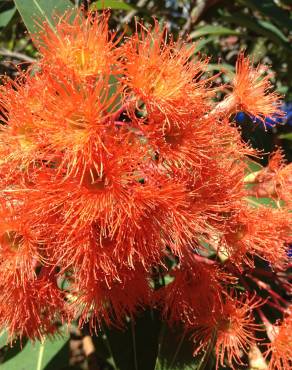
(17, 55)
(132, 13)
(196, 13)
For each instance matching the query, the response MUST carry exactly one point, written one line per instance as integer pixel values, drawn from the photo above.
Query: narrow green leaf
(202, 42)
(40, 356)
(212, 30)
(286, 136)
(221, 67)
(275, 30)
(110, 4)
(34, 12)
(6, 16)
(260, 202)
(270, 9)
(260, 27)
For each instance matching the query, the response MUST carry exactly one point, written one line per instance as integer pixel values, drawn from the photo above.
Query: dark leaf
(136, 347)
(6, 16)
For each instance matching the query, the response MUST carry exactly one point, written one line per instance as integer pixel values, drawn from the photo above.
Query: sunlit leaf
(212, 30)
(34, 12)
(286, 136)
(110, 4)
(38, 356)
(259, 26)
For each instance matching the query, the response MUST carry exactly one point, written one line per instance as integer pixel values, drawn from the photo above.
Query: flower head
(274, 181)
(160, 75)
(280, 347)
(231, 328)
(251, 90)
(83, 46)
(251, 93)
(115, 166)
(32, 310)
(245, 236)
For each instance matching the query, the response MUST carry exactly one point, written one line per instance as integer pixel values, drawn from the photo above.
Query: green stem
(178, 349)
(205, 358)
(107, 343)
(41, 356)
(161, 339)
(134, 344)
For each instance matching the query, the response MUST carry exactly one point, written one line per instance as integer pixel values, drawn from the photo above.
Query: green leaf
(253, 166)
(113, 86)
(39, 356)
(260, 202)
(6, 16)
(225, 67)
(260, 27)
(6, 350)
(34, 12)
(286, 136)
(269, 9)
(212, 30)
(176, 349)
(275, 30)
(202, 42)
(110, 4)
(56, 355)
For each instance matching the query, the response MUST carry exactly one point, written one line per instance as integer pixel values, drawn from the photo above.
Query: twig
(17, 55)
(276, 306)
(178, 349)
(262, 285)
(196, 14)
(132, 13)
(134, 344)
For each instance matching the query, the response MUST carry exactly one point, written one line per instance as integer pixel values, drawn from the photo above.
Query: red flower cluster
(115, 161)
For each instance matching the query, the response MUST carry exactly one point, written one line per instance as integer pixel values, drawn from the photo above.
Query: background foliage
(220, 28)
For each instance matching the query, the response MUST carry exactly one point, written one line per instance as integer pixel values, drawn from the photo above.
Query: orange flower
(21, 105)
(248, 233)
(83, 45)
(251, 92)
(274, 181)
(161, 75)
(280, 347)
(19, 250)
(230, 330)
(102, 183)
(196, 290)
(33, 310)
(101, 301)
(76, 122)
(134, 221)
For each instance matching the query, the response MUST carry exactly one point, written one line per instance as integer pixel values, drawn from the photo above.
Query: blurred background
(220, 28)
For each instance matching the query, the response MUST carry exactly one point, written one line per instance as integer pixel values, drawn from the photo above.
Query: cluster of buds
(119, 168)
